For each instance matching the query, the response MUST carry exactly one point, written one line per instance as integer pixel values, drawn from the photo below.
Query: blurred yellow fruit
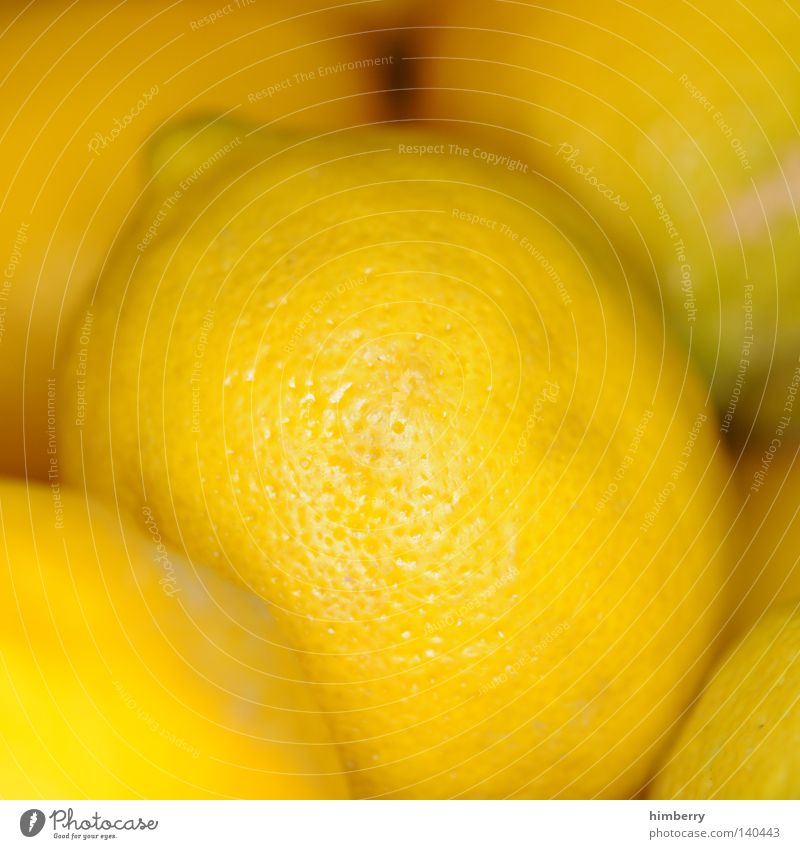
(677, 124)
(741, 740)
(769, 525)
(129, 673)
(85, 84)
(383, 15)
(395, 399)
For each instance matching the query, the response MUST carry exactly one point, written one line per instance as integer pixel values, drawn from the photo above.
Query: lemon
(768, 573)
(126, 672)
(387, 390)
(676, 123)
(740, 741)
(85, 85)
(383, 15)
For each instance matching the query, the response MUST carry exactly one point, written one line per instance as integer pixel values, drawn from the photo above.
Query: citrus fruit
(768, 572)
(677, 124)
(385, 389)
(382, 15)
(127, 672)
(85, 84)
(740, 741)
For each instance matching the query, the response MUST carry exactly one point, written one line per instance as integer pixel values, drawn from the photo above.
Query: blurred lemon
(676, 123)
(768, 572)
(85, 84)
(395, 399)
(741, 739)
(126, 672)
(383, 15)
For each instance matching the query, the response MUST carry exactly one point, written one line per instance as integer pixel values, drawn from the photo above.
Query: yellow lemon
(396, 399)
(677, 124)
(740, 741)
(768, 572)
(383, 15)
(127, 672)
(84, 86)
